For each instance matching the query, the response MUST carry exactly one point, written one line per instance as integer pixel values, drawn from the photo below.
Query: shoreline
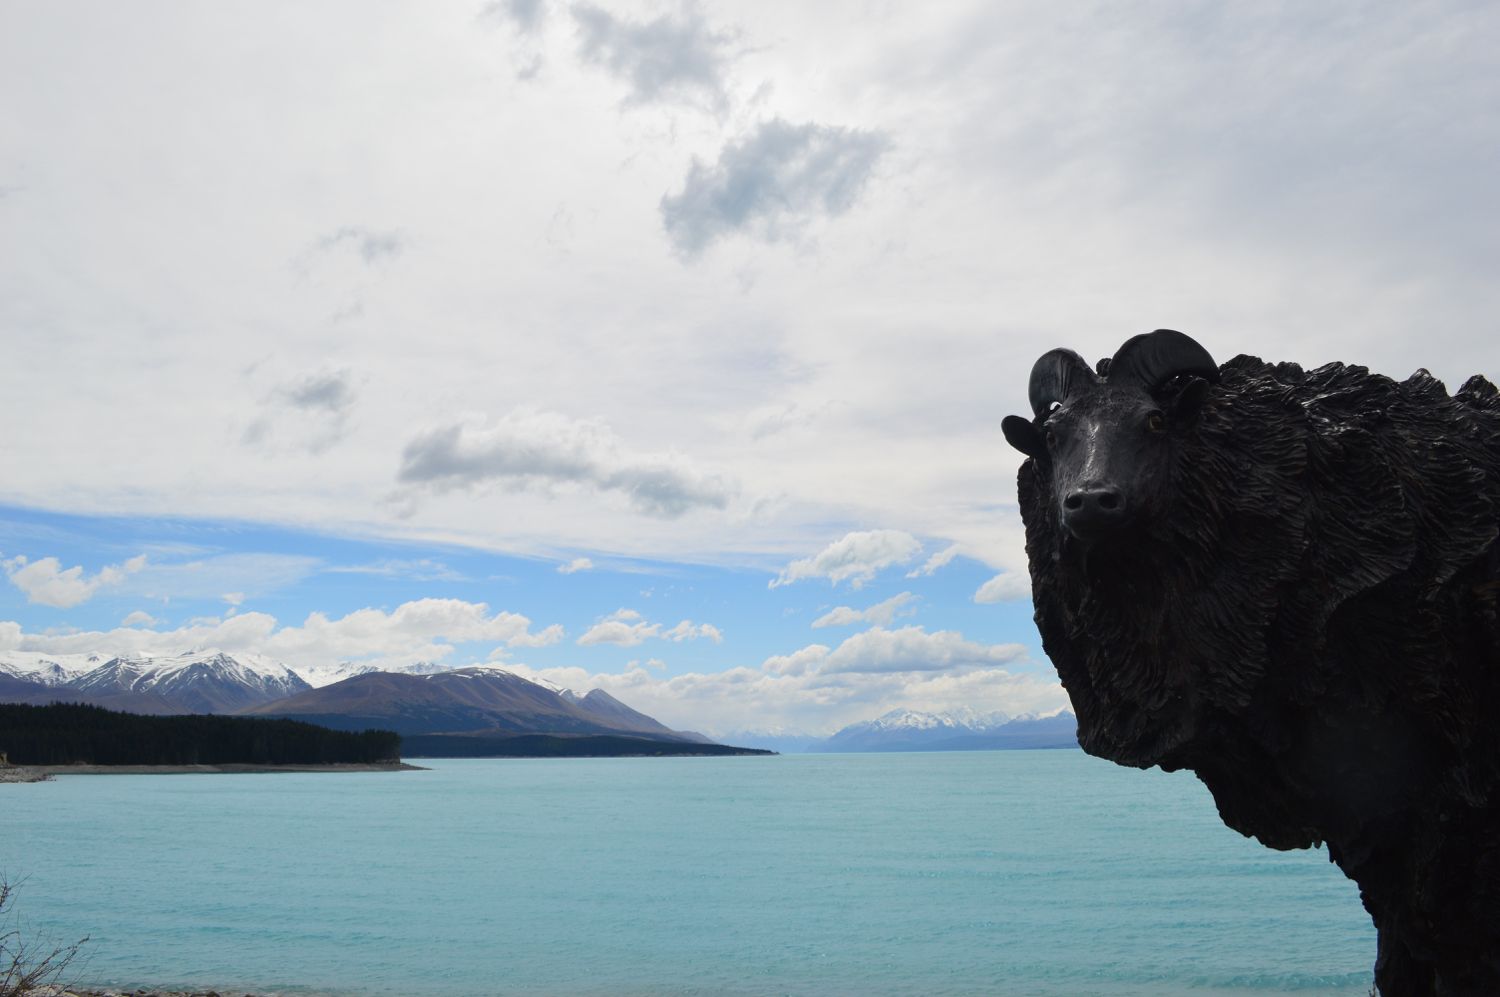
(43, 773)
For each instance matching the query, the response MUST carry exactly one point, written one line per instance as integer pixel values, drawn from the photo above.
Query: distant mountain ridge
(960, 730)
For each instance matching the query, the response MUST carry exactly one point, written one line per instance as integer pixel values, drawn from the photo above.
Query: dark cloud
(328, 392)
(537, 451)
(771, 183)
(677, 59)
(526, 15)
(371, 246)
(310, 412)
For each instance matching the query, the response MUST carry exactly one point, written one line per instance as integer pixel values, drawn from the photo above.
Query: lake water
(984, 873)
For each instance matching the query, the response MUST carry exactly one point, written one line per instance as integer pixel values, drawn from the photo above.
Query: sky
(663, 347)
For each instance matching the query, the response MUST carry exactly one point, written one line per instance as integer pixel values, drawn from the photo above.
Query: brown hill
(463, 700)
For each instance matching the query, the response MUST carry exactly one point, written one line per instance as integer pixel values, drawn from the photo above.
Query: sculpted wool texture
(1286, 581)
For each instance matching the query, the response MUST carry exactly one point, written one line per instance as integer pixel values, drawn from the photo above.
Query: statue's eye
(1156, 422)
(1051, 438)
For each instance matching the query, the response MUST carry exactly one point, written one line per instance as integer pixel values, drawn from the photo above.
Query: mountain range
(479, 701)
(913, 730)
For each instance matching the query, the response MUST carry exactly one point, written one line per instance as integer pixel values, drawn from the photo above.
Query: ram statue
(1286, 581)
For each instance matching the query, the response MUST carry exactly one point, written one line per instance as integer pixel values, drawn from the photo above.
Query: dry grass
(26, 966)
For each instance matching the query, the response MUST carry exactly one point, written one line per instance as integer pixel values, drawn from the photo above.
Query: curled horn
(1154, 358)
(1055, 376)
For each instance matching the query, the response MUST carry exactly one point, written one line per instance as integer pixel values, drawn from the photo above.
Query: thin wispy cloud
(576, 565)
(936, 562)
(771, 184)
(881, 614)
(369, 245)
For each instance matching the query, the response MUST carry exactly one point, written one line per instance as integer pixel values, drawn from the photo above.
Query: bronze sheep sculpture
(1286, 581)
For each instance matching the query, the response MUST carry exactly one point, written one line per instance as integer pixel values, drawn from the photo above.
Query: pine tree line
(70, 733)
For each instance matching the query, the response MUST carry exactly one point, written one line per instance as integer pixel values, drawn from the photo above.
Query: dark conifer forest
(69, 733)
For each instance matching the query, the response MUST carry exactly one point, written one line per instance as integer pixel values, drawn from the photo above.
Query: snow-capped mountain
(957, 730)
(200, 681)
(952, 721)
(318, 677)
(49, 669)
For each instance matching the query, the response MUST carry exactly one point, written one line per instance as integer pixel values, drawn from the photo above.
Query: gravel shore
(56, 991)
(22, 773)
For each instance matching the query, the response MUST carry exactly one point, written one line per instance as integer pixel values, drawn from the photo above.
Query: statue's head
(1103, 441)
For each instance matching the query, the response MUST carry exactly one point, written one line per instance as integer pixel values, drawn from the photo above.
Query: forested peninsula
(73, 734)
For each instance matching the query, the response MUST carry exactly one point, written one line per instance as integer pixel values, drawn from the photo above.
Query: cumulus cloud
(1008, 586)
(882, 613)
(855, 558)
(46, 582)
(627, 628)
(676, 58)
(909, 649)
(420, 630)
(771, 183)
(530, 450)
(935, 562)
(576, 565)
(139, 618)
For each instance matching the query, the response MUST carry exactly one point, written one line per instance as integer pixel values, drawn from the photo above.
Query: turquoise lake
(981, 873)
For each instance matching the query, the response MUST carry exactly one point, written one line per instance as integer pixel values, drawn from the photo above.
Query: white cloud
(420, 630)
(882, 613)
(576, 565)
(818, 690)
(1008, 586)
(46, 582)
(532, 450)
(687, 630)
(913, 649)
(855, 558)
(935, 562)
(627, 628)
(139, 618)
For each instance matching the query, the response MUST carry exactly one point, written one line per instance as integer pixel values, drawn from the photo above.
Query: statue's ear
(1190, 400)
(1022, 435)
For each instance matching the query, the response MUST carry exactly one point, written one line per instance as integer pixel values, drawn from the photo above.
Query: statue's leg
(1397, 972)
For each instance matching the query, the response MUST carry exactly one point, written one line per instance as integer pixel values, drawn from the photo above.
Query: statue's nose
(1093, 510)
